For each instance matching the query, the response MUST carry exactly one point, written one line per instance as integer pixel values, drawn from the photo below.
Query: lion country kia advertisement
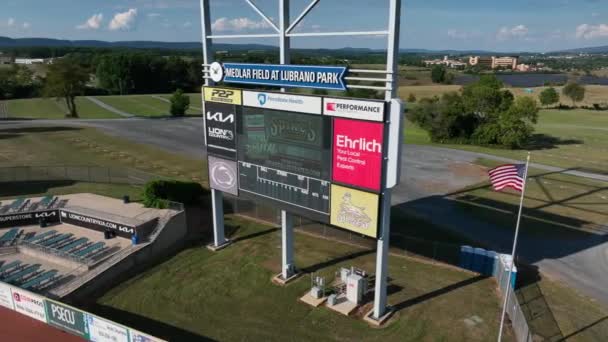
(355, 210)
(357, 153)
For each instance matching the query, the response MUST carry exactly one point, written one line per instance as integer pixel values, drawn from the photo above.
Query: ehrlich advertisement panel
(6, 299)
(66, 318)
(357, 153)
(220, 123)
(355, 210)
(29, 304)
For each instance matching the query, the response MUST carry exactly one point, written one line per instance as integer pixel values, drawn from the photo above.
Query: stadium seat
(55, 239)
(83, 253)
(39, 279)
(23, 273)
(10, 265)
(41, 236)
(74, 245)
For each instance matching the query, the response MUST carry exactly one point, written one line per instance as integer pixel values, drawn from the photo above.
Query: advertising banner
(101, 330)
(66, 318)
(357, 153)
(355, 210)
(137, 336)
(286, 102)
(29, 304)
(6, 298)
(298, 76)
(354, 109)
(222, 95)
(26, 219)
(223, 175)
(97, 224)
(220, 123)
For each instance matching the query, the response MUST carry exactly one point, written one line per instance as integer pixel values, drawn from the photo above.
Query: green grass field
(55, 109)
(140, 105)
(33, 189)
(228, 296)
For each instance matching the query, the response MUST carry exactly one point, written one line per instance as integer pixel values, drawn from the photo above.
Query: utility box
(316, 292)
(344, 273)
(332, 300)
(355, 285)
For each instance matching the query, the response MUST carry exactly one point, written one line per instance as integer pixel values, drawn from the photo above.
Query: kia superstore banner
(28, 218)
(66, 318)
(357, 153)
(6, 299)
(29, 304)
(355, 210)
(101, 330)
(220, 124)
(354, 109)
(101, 225)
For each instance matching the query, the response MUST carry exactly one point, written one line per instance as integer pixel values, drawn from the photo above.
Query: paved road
(428, 174)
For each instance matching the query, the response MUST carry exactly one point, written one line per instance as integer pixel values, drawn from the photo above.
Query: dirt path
(110, 108)
(3, 110)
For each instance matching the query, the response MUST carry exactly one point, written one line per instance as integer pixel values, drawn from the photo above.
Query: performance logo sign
(66, 318)
(94, 223)
(220, 124)
(29, 304)
(286, 102)
(222, 95)
(287, 76)
(101, 330)
(354, 109)
(223, 175)
(26, 219)
(355, 210)
(357, 153)
(6, 299)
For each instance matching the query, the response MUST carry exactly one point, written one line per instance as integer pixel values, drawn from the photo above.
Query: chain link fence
(89, 174)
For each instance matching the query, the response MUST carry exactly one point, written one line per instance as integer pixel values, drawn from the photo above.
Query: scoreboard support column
(219, 237)
(288, 265)
(380, 308)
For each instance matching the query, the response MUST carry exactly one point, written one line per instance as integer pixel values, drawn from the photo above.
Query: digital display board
(284, 157)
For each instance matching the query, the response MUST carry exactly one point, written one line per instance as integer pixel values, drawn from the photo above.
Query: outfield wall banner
(286, 102)
(29, 304)
(220, 124)
(137, 336)
(354, 109)
(27, 219)
(355, 210)
(357, 153)
(97, 224)
(222, 95)
(6, 298)
(101, 330)
(66, 318)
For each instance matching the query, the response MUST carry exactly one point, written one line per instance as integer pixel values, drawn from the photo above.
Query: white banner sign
(354, 109)
(6, 299)
(137, 336)
(101, 330)
(287, 102)
(29, 304)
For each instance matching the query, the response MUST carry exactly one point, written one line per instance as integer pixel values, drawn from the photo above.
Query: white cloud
(595, 14)
(238, 24)
(93, 23)
(124, 21)
(26, 25)
(187, 24)
(153, 16)
(586, 31)
(506, 33)
(10, 22)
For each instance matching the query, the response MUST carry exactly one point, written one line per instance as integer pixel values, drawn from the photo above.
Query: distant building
(29, 61)
(482, 61)
(450, 63)
(493, 62)
(6, 60)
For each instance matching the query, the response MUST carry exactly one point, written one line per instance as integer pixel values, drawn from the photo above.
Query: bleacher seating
(74, 245)
(27, 276)
(21, 274)
(85, 252)
(9, 266)
(39, 279)
(37, 237)
(8, 238)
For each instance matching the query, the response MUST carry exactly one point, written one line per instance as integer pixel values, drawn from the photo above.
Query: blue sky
(515, 25)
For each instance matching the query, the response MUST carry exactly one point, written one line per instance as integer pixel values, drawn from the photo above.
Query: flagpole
(521, 205)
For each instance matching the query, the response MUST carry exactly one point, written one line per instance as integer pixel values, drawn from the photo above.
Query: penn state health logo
(262, 99)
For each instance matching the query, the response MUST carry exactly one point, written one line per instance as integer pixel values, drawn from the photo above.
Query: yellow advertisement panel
(223, 95)
(355, 210)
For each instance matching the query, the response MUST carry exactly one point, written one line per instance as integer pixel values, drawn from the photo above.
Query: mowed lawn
(228, 296)
(140, 105)
(51, 108)
(575, 139)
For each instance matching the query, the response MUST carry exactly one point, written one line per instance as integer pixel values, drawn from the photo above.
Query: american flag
(511, 175)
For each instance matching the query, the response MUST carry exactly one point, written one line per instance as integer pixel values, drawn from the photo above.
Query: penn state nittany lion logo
(262, 98)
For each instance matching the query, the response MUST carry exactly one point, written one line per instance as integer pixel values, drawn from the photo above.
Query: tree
(66, 80)
(179, 103)
(549, 96)
(438, 74)
(411, 98)
(575, 92)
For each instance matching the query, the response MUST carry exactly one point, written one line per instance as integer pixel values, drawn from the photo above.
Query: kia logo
(262, 99)
(219, 117)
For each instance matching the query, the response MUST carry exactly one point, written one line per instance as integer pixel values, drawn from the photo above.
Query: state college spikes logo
(350, 214)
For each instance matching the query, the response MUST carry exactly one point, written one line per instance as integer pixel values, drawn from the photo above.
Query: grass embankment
(55, 109)
(228, 296)
(576, 139)
(149, 105)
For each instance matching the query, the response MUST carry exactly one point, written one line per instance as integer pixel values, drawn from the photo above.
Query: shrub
(179, 103)
(158, 193)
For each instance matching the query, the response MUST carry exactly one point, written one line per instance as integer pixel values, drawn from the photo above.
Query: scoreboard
(319, 157)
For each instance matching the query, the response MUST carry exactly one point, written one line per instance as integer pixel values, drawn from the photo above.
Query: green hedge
(157, 193)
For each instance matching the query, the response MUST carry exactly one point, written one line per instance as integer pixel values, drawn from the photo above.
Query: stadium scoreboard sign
(319, 157)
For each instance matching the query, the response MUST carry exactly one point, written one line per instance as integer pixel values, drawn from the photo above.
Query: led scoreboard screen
(285, 157)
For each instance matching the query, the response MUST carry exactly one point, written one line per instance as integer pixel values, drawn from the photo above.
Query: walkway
(110, 108)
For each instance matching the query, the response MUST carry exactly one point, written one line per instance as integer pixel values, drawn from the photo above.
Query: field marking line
(109, 108)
